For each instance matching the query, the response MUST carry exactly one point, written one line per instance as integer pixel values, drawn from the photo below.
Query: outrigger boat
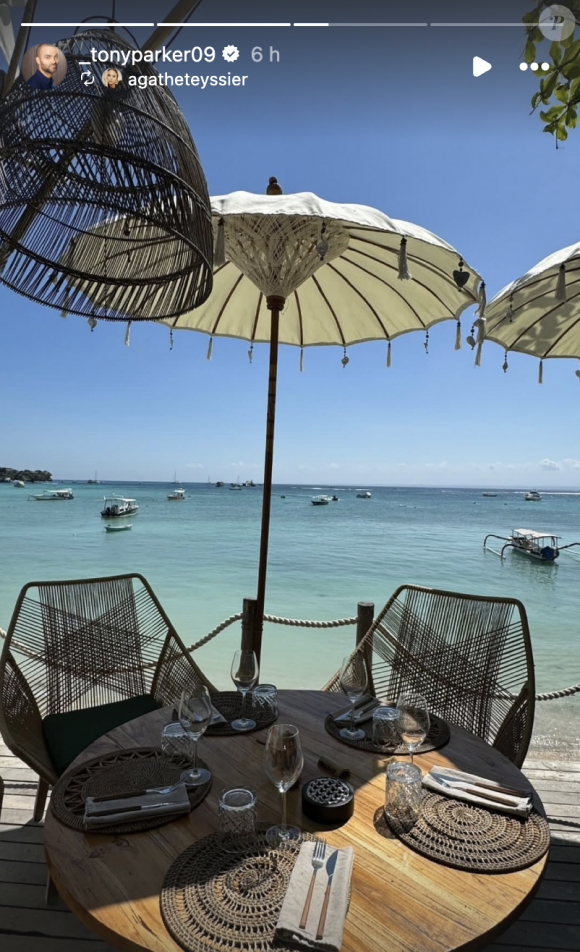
(320, 500)
(121, 528)
(176, 494)
(116, 506)
(53, 494)
(542, 546)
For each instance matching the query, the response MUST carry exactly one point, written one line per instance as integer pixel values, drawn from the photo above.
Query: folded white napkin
(363, 710)
(477, 790)
(216, 717)
(288, 928)
(135, 809)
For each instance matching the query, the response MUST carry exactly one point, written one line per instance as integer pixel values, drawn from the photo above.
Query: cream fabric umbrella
(539, 313)
(296, 269)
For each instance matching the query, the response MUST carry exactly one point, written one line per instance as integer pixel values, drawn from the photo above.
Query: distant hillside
(26, 475)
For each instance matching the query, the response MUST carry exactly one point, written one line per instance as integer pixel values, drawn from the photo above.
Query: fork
(317, 863)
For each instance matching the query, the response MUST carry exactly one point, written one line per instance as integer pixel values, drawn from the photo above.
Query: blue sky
(391, 118)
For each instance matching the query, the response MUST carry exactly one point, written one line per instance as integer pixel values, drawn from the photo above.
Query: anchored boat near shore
(53, 494)
(542, 546)
(116, 506)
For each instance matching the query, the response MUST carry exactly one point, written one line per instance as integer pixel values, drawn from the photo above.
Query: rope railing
(306, 623)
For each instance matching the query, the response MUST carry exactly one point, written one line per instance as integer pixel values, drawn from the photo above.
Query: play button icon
(480, 66)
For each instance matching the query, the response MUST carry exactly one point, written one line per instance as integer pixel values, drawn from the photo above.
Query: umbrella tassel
(458, 336)
(426, 344)
(171, 338)
(404, 273)
(541, 372)
(561, 284)
(301, 359)
(66, 302)
(219, 256)
(389, 354)
(128, 334)
(92, 322)
(505, 364)
(209, 349)
(345, 359)
(251, 353)
(478, 355)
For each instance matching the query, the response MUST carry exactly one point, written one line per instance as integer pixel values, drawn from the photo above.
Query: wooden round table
(400, 902)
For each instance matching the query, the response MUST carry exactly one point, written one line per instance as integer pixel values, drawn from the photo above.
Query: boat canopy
(532, 534)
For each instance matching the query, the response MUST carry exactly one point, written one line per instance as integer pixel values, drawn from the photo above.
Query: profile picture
(43, 66)
(112, 77)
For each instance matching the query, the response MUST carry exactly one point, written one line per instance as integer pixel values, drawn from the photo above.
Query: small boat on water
(53, 494)
(219, 484)
(542, 546)
(116, 506)
(122, 528)
(18, 484)
(334, 498)
(532, 496)
(320, 500)
(176, 494)
(489, 494)
(363, 494)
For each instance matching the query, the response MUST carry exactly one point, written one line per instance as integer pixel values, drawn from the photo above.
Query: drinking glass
(238, 819)
(265, 700)
(353, 681)
(283, 761)
(413, 720)
(386, 734)
(195, 715)
(403, 793)
(244, 675)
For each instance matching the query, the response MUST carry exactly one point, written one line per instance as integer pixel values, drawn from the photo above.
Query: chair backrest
(470, 656)
(86, 642)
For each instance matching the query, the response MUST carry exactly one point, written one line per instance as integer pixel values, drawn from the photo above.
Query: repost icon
(480, 66)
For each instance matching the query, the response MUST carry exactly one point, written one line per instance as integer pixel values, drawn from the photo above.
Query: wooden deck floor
(550, 923)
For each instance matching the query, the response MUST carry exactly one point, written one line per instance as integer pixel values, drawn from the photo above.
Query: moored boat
(320, 500)
(53, 494)
(541, 546)
(18, 483)
(116, 506)
(532, 496)
(489, 494)
(363, 494)
(176, 494)
(122, 528)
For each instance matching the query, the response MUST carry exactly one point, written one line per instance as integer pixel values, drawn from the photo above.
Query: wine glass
(195, 714)
(244, 675)
(353, 681)
(283, 761)
(413, 720)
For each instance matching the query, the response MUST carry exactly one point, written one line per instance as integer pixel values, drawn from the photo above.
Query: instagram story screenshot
(283, 289)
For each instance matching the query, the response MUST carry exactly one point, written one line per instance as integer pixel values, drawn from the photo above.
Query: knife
(360, 712)
(484, 792)
(330, 864)
(452, 776)
(134, 808)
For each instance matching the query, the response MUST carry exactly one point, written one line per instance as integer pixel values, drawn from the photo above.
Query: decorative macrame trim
(301, 359)
(458, 336)
(541, 372)
(404, 273)
(209, 349)
(389, 354)
(561, 294)
(128, 334)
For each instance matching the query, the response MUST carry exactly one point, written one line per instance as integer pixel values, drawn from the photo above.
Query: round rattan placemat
(437, 737)
(211, 900)
(471, 838)
(229, 704)
(118, 772)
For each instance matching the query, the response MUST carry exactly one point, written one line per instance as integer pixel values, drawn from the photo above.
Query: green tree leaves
(560, 87)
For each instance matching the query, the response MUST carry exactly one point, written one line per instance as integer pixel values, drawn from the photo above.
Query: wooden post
(249, 623)
(365, 615)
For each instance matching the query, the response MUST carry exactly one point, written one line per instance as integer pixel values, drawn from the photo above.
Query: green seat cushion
(67, 735)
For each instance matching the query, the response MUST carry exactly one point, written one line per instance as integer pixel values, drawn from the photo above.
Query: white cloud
(550, 464)
(237, 465)
(571, 463)
(194, 465)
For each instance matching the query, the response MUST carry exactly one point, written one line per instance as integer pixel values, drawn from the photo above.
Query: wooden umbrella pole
(275, 303)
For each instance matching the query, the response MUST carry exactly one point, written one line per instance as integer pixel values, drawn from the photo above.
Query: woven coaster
(437, 737)
(118, 772)
(229, 704)
(471, 838)
(211, 900)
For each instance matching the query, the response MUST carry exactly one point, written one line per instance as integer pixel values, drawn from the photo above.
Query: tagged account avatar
(47, 60)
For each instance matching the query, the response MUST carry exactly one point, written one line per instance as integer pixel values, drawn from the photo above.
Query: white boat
(121, 528)
(236, 486)
(542, 546)
(489, 494)
(53, 494)
(320, 500)
(532, 496)
(116, 506)
(363, 494)
(176, 494)
(18, 483)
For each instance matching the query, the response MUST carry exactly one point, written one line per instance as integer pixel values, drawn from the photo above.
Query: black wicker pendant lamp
(104, 208)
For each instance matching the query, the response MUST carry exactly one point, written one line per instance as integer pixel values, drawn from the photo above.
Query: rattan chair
(80, 658)
(470, 656)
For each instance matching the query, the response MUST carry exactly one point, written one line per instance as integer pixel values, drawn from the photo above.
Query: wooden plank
(556, 889)
(22, 943)
(42, 923)
(13, 872)
(540, 935)
(554, 911)
(21, 832)
(24, 895)
(22, 852)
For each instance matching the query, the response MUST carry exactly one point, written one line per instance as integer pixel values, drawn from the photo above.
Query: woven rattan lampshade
(102, 195)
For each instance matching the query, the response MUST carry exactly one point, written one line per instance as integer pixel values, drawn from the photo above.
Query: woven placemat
(229, 704)
(121, 771)
(437, 737)
(472, 838)
(211, 900)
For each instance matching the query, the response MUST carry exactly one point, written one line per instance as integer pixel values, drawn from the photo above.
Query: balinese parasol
(539, 313)
(295, 269)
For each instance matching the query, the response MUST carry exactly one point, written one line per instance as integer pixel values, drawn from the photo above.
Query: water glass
(413, 720)
(403, 794)
(237, 819)
(265, 700)
(386, 734)
(353, 681)
(283, 761)
(244, 673)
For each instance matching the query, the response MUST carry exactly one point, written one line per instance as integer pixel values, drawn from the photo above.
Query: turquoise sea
(201, 558)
